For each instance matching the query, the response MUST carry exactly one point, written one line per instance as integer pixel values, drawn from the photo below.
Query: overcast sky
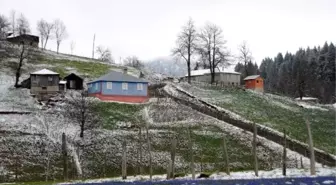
(148, 28)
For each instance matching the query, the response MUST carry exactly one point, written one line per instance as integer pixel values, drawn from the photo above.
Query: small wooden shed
(44, 82)
(74, 81)
(254, 82)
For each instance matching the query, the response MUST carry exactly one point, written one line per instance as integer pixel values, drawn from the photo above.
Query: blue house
(119, 86)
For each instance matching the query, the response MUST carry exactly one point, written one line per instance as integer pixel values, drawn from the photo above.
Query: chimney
(125, 70)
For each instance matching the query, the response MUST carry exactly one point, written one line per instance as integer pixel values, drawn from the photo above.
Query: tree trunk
(124, 160)
(254, 148)
(46, 41)
(284, 155)
(226, 156)
(192, 165)
(58, 44)
(311, 149)
(65, 157)
(149, 152)
(18, 70)
(189, 80)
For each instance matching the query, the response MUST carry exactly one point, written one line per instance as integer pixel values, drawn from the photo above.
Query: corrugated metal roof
(119, 77)
(207, 71)
(44, 72)
(252, 77)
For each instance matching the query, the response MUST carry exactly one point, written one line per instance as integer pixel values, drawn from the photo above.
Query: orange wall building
(254, 82)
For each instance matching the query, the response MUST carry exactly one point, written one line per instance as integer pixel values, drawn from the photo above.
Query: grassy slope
(288, 115)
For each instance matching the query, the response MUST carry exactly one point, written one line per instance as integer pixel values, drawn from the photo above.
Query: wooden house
(73, 81)
(119, 86)
(254, 82)
(222, 76)
(44, 82)
(26, 39)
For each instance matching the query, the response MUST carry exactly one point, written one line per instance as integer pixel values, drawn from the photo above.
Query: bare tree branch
(186, 44)
(60, 32)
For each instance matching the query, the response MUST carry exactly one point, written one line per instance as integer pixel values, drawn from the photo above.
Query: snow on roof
(44, 72)
(207, 71)
(62, 82)
(252, 77)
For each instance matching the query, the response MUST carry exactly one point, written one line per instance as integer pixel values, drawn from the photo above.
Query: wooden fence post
(192, 165)
(65, 157)
(149, 152)
(284, 156)
(124, 160)
(311, 149)
(172, 157)
(254, 149)
(227, 164)
(140, 152)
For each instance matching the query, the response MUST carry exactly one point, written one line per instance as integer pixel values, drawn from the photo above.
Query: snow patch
(308, 106)
(328, 182)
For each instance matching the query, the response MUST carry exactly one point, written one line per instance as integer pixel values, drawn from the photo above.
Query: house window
(124, 86)
(257, 81)
(96, 86)
(108, 85)
(139, 86)
(50, 78)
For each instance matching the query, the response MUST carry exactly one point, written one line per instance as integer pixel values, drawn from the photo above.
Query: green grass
(264, 111)
(117, 112)
(92, 69)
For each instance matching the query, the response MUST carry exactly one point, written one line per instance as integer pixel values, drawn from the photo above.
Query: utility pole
(93, 45)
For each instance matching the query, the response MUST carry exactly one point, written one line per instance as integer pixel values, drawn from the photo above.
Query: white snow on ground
(277, 173)
(309, 106)
(306, 98)
(328, 182)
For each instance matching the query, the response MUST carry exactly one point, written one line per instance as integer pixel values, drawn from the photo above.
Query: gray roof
(251, 77)
(119, 77)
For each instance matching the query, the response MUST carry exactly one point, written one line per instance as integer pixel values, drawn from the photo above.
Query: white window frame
(139, 86)
(124, 86)
(96, 86)
(108, 85)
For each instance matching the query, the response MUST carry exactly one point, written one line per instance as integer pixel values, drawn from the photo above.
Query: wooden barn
(44, 82)
(25, 39)
(254, 82)
(74, 81)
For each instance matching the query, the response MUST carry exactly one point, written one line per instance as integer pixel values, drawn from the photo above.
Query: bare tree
(72, 46)
(23, 53)
(23, 26)
(60, 32)
(4, 26)
(105, 54)
(244, 55)
(133, 61)
(45, 30)
(186, 44)
(80, 109)
(13, 21)
(212, 48)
